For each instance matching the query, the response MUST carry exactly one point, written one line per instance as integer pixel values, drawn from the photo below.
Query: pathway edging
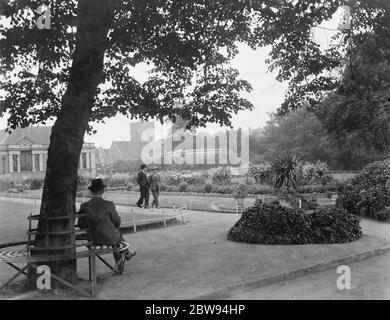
(271, 279)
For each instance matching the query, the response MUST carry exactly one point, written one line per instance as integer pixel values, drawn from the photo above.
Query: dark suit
(154, 182)
(143, 182)
(103, 221)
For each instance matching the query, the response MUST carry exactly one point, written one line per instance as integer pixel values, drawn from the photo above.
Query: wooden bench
(27, 254)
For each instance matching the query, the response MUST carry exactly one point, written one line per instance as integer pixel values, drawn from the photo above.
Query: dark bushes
(274, 224)
(368, 193)
(36, 183)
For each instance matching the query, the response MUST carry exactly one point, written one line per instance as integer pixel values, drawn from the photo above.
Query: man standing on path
(154, 182)
(143, 182)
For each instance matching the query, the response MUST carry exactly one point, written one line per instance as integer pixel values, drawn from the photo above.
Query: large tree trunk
(95, 18)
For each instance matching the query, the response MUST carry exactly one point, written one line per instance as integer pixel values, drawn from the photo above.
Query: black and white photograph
(196, 156)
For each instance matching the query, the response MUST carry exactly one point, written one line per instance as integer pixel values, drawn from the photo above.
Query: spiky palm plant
(284, 171)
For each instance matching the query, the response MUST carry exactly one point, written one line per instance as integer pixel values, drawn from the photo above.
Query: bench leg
(66, 283)
(20, 271)
(92, 272)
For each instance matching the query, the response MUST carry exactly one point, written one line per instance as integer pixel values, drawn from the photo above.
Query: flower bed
(277, 225)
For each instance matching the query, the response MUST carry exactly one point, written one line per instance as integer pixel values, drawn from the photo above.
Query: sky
(266, 96)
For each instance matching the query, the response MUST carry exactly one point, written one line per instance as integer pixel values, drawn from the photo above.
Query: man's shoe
(138, 205)
(121, 267)
(146, 207)
(130, 254)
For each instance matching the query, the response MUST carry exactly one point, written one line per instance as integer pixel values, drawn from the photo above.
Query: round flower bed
(277, 225)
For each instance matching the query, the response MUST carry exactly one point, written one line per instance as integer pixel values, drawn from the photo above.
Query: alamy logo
(184, 147)
(44, 280)
(344, 281)
(44, 19)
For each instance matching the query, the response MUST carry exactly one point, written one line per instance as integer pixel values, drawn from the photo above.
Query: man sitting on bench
(102, 220)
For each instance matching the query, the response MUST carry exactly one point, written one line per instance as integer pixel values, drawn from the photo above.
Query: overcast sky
(266, 96)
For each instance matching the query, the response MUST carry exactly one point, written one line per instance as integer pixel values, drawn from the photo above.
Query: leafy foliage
(346, 84)
(277, 225)
(261, 173)
(312, 173)
(180, 40)
(183, 187)
(6, 182)
(170, 177)
(208, 187)
(284, 170)
(222, 176)
(241, 191)
(36, 183)
(368, 193)
(302, 132)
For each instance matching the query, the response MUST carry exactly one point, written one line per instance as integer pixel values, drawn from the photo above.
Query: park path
(370, 279)
(196, 261)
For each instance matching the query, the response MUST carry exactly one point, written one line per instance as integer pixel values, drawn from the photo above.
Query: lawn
(14, 224)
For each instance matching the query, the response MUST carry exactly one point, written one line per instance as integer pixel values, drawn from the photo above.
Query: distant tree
(300, 132)
(357, 114)
(348, 83)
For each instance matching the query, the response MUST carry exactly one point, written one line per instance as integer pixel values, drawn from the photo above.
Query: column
(87, 155)
(18, 162)
(33, 162)
(40, 162)
(93, 162)
(11, 163)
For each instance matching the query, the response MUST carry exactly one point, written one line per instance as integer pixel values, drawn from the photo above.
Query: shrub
(260, 189)
(195, 180)
(326, 179)
(284, 170)
(311, 173)
(183, 186)
(241, 191)
(6, 182)
(272, 223)
(261, 173)
(163, 187)
(223, 190)
(129, 186)
(36, 183)
(368, 193)
(83, 182)
(222, 176)
(314, 188)
(118, 180)
(208, 187)
(170, 178)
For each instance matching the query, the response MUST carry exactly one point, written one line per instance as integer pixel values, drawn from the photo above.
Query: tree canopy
(348, 83)
(188, 45)
(301, 132)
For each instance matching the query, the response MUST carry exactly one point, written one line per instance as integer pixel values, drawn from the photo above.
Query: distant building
(103, 159)
(140, 135)
(23, 153)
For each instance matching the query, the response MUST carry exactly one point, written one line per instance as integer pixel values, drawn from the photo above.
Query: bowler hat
(97, 185)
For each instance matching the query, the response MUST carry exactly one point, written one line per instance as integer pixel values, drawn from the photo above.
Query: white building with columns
(23, 153)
